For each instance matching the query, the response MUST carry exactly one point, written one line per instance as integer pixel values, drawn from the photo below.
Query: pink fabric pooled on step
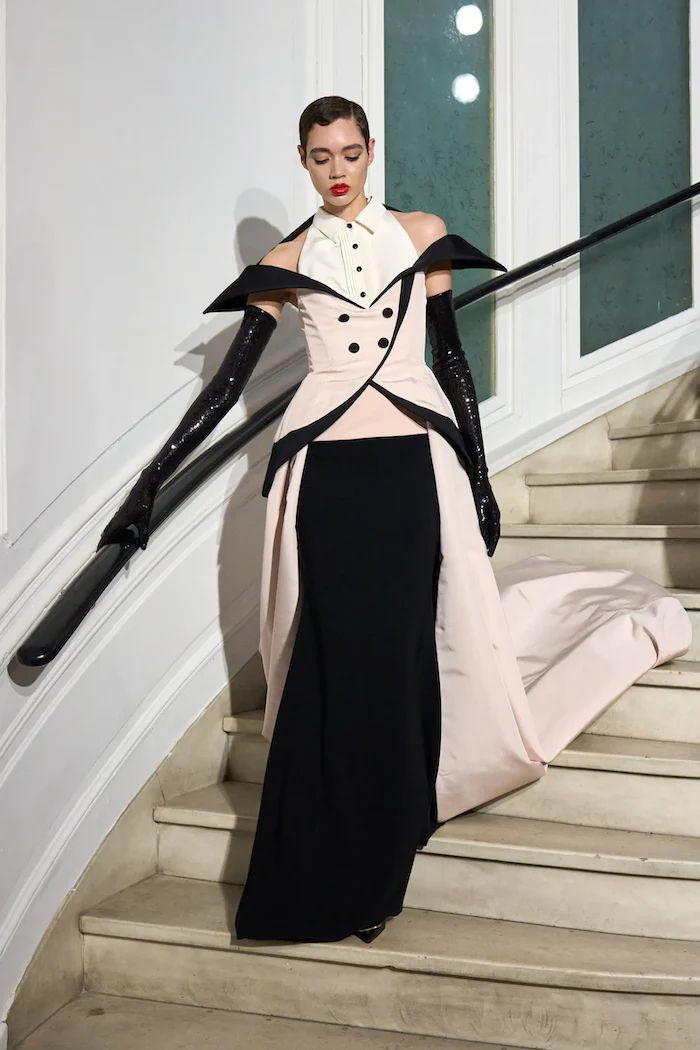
(582, 636)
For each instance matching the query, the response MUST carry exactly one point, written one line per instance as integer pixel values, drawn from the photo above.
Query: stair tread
(626, 475)
(213, 806)
(594, 743)
(602, 531)
(631, 755)
(244, 722)
(624, 754)
(481, 834)
(115, 1022)
(173, 910)
(688, 596)
(253, 721)
(685, 674)
(674, 426)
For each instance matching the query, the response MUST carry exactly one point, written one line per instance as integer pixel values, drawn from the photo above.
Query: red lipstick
(339, 189)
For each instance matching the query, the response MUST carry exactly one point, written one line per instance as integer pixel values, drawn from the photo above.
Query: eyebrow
(322, 149)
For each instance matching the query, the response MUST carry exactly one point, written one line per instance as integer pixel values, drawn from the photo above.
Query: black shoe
(371, 932)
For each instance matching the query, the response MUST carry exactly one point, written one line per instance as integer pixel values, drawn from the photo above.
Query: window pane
(635, 148)
(438, 126)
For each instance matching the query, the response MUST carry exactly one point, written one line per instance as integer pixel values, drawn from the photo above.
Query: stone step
(638, 785)
(664, 758)
(610, 799)
(690, 599)
(172, 939)
(674, 444)
(668, 554)
(678, 674)
(663, 705)
(654, 495)
(245, 722)
(479, 864)
(114, 1022)
(660, 758)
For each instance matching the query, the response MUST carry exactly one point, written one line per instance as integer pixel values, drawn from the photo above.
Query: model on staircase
(394, 698)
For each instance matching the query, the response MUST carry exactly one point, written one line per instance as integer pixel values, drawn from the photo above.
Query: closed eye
(348, 158)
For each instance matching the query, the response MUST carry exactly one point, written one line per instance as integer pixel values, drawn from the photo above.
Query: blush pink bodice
(333, 250)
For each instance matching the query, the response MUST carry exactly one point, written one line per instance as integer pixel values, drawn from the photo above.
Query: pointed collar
(331, 225)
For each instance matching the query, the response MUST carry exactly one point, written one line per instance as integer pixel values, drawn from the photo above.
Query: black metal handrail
(573, 247)
(78, 597)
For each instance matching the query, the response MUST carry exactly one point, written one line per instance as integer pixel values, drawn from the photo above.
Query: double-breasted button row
(386, 312)
(383, 342)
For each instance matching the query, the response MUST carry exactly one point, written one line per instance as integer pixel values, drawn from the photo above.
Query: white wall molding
(3, 268)
(161, 674)
(501, 404)
(161, 721)
(42, 576)
(372, 59)
(571, 418)
(235, 485)
(544, 388)
(695, 140)
(528, 219)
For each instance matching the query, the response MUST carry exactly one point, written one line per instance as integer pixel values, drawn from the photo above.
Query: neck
(351, 210)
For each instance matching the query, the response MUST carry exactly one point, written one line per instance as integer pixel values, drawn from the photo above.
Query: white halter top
(359, 258)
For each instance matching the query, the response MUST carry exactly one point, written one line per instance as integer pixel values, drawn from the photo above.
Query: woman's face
(336, 157)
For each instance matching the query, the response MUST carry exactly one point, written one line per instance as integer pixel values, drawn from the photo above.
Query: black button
(349, 225)
(363, 294)
(387, 311)
(344, 317)
(354, 347)
(358, 268)
(355, 246)
(383, 342)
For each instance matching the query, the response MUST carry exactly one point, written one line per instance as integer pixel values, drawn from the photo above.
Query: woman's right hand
(132, 520)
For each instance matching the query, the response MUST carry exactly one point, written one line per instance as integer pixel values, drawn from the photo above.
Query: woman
(394, 699)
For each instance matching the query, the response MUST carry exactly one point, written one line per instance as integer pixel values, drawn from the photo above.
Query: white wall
(151, 154)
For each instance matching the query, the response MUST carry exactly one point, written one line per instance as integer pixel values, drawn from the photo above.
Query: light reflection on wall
(465, 88)
(469, 20)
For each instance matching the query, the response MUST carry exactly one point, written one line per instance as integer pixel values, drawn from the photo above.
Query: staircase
(564, 916)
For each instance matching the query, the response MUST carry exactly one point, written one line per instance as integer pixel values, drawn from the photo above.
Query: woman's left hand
(488, 514)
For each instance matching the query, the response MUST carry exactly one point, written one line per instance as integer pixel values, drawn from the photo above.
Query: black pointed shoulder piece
(453, 248)
(459, 252)
(262, 277)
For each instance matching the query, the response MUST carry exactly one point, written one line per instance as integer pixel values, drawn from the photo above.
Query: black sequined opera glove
(132, 519)
(454, 376)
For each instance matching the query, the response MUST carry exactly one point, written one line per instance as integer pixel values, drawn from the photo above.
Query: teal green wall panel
(439, 151)
(635, 148)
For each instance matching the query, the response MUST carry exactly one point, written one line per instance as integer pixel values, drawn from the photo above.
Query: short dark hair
(327, 109)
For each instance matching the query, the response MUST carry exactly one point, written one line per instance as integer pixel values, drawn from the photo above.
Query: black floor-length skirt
(349, 788)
